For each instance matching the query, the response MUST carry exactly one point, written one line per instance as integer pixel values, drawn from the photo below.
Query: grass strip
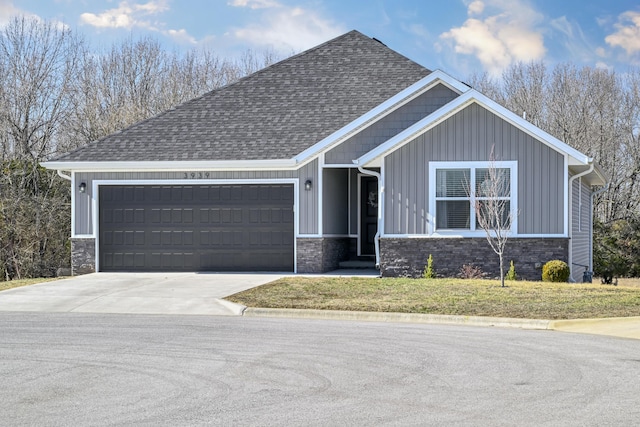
(520, 299)
(24, 282)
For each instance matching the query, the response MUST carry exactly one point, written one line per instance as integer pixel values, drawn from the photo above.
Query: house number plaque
(196, 175)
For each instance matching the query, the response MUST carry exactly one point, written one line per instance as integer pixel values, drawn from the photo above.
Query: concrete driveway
(149, 293)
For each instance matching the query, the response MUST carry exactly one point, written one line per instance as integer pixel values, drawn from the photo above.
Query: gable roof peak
(275, 113)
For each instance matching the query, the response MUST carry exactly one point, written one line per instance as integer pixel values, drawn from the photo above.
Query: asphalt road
(107, 369)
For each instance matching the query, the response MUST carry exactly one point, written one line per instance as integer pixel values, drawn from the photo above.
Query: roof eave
(423, 85)
(171, 165)
(373, 157)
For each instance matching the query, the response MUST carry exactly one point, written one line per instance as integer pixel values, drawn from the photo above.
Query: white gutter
(171, 165)
(573, 178)
(61, 175)
(591, 230)
(376, 239)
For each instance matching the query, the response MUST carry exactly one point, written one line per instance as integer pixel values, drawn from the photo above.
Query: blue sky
(457, 36)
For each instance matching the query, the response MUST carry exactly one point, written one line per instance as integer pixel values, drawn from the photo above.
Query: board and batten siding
(390, 125)
(580, 228)
(308, 200)
(469, 136)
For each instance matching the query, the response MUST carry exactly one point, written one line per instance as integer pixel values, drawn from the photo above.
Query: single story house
(345, 150)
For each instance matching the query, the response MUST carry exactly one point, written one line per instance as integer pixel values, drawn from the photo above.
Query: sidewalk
(623, 327)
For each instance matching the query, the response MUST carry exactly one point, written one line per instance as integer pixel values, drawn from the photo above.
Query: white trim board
(431, 215)
(475, 235)
(448, 110)
(382, 110)
(173, 165)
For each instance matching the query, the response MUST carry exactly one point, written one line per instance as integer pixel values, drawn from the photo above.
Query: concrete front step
(358, 264)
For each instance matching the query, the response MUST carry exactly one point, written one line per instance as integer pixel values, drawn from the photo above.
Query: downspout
(376, 239)
(61, 175)
(591, 230)
(573, 178)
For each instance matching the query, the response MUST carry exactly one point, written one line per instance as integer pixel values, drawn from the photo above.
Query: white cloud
(604, 66)
(126, 15)
(7, 10)
(570, 35)
(287, 29)
(417, 30)
(627, 35)
(130, 15)
(181, 36)
(254, 4)
(475, 8)
(506, 31)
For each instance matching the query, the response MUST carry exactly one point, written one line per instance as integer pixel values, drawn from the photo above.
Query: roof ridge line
(240, 80)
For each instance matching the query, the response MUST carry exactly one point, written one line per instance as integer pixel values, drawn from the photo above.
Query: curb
(368, 316)
(236, 309)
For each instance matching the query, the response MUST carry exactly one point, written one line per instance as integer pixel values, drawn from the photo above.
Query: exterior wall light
(82, 187)
(307, 185)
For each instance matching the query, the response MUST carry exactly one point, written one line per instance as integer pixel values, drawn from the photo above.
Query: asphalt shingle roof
(275, 113)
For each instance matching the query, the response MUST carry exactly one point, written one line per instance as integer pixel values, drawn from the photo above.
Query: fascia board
(604, 178)
(171, 165)
(390, 105)
(446, 111)
(596, 177)
(575, 156)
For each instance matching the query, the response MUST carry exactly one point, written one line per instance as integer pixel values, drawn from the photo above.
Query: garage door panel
(196, 228)
(139, 260)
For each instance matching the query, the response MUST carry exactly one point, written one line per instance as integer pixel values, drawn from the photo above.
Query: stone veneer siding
(83, 256)
(314, 255)
(402, 257)
(322, 254)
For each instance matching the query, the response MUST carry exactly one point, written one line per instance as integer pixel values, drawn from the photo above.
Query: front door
(368, 214)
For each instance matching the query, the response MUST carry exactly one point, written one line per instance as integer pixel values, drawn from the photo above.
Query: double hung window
(463, 194)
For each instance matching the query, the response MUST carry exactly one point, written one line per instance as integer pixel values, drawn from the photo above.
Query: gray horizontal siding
(308, 200)
(469, 136)
(390, 125)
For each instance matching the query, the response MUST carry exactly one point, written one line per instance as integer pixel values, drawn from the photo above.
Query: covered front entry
(244, 227)
(368, 214)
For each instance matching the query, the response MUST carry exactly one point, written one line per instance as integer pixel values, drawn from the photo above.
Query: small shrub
(470, 271)
(511, 274)
(429, 273)
(555, 271)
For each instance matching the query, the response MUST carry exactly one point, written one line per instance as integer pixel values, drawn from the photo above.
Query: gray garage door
(196, 228)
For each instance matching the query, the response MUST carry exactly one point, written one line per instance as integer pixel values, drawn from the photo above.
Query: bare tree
(595, 111)
(136, 79)
(39, 62)
(492, 205)
(55, 96)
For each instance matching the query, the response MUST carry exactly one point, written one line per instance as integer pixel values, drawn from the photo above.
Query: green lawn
(520, 299)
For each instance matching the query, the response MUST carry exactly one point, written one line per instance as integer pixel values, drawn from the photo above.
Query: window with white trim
(456, 188)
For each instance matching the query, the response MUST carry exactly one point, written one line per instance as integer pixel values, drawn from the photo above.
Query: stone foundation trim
(83, 256)
(407, 257)
(321, 254)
